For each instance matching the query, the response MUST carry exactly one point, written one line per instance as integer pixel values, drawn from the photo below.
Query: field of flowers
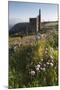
(35, 64)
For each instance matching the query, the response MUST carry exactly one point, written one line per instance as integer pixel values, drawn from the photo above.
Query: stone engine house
(33, 26)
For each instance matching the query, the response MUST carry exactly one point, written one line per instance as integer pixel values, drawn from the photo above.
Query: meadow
(33, 62)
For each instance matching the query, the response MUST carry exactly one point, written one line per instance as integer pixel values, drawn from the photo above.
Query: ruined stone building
(33, 26)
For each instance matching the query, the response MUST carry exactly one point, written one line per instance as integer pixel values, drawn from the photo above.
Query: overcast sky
(22, 11)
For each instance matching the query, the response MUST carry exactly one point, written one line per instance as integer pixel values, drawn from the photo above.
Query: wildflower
(51, 64)
(40, 63)
(47, 63)
(32, 72)
(51, 56)
(52, 61)
(37, 69)
(42, 59)
(38, 66)
(46, 49)
(41, 68)
(44, 65)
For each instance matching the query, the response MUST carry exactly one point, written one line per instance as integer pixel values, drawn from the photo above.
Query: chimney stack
(39, 19)
(38, 22)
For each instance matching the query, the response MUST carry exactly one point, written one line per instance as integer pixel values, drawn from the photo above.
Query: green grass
(27, 57)
(24, 40)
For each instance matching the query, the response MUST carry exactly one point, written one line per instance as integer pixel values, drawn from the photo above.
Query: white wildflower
(51, 64)
(41, 68)
(38, 66)
(46, 49)
(40, 63)
(51, 56)
(37, 69)
(44, 65)
(52, 60)
(42, 59)
(47, 63)
(32, 72)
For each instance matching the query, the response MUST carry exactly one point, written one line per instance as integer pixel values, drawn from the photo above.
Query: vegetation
(35, 65)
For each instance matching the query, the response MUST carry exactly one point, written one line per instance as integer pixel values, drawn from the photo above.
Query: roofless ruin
(33, 26)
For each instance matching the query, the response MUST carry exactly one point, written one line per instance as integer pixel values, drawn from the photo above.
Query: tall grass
(34, 65)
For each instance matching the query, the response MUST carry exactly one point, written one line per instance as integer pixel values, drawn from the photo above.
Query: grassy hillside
(35, 62)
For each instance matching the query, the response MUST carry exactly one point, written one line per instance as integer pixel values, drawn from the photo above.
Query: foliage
(52, 39)
(34, 65)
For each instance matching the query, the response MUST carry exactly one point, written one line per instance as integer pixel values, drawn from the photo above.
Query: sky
(22, 11)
